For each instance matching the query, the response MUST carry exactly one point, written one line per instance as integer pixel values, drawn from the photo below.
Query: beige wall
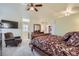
(44, 22)
(50, 13)
(62, 26)
(67, 24)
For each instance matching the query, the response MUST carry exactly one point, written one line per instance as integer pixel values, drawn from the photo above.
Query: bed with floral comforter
(53, 45)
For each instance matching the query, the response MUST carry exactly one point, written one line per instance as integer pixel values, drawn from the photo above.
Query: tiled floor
(22, 50)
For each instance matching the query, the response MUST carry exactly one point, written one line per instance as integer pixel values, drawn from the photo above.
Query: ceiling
(53, 10)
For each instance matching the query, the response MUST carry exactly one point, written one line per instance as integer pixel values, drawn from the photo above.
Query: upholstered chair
(11, 40)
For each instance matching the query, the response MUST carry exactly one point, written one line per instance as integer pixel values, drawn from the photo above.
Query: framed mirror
(37, 27)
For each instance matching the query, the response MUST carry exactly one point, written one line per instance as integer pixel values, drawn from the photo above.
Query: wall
(44, 21)
(14, 12)
(67, 24)
(10, 12)
(60, 26)
(50, 14)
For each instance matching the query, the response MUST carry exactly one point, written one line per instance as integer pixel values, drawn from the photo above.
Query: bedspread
(55, 46)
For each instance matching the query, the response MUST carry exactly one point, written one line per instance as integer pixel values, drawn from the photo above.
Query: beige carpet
(0, 47)
(22, 50)
(0, 51)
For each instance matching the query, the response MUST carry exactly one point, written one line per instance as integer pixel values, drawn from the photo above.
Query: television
(9, 24)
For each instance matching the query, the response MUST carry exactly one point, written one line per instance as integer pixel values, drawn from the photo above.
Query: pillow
(67, 36)
(72, 38)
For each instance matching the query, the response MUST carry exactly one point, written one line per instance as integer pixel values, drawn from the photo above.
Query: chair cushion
(8, 35)
(17, 37)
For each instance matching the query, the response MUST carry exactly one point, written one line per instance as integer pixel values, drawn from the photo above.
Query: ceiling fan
(71, 9)
(32, 6)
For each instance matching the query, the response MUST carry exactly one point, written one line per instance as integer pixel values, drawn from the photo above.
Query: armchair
(11, 40)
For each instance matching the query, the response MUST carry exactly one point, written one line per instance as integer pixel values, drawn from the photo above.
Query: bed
(37, 34)
(54, 45)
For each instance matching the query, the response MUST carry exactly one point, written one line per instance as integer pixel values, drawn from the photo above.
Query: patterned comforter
(56, 45)
(36, 34)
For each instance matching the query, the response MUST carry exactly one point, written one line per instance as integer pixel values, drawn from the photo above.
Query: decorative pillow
(67, 36)
(72, 38)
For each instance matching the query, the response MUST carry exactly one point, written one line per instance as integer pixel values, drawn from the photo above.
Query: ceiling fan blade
(28, 5)
(35, 9)
(28, 9)
(31, 4)
(38, 5)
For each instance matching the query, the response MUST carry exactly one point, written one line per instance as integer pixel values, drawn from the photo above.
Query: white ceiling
(47, 10)
(53, 10)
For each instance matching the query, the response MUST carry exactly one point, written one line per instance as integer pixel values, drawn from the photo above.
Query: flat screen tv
(9, 24)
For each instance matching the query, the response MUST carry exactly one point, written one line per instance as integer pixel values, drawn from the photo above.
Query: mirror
(37, 27)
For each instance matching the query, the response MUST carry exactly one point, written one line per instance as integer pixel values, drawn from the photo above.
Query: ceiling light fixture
(68, 11)
(31, 8)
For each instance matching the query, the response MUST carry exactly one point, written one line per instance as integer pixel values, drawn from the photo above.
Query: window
(25, 27)
(25, 24)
